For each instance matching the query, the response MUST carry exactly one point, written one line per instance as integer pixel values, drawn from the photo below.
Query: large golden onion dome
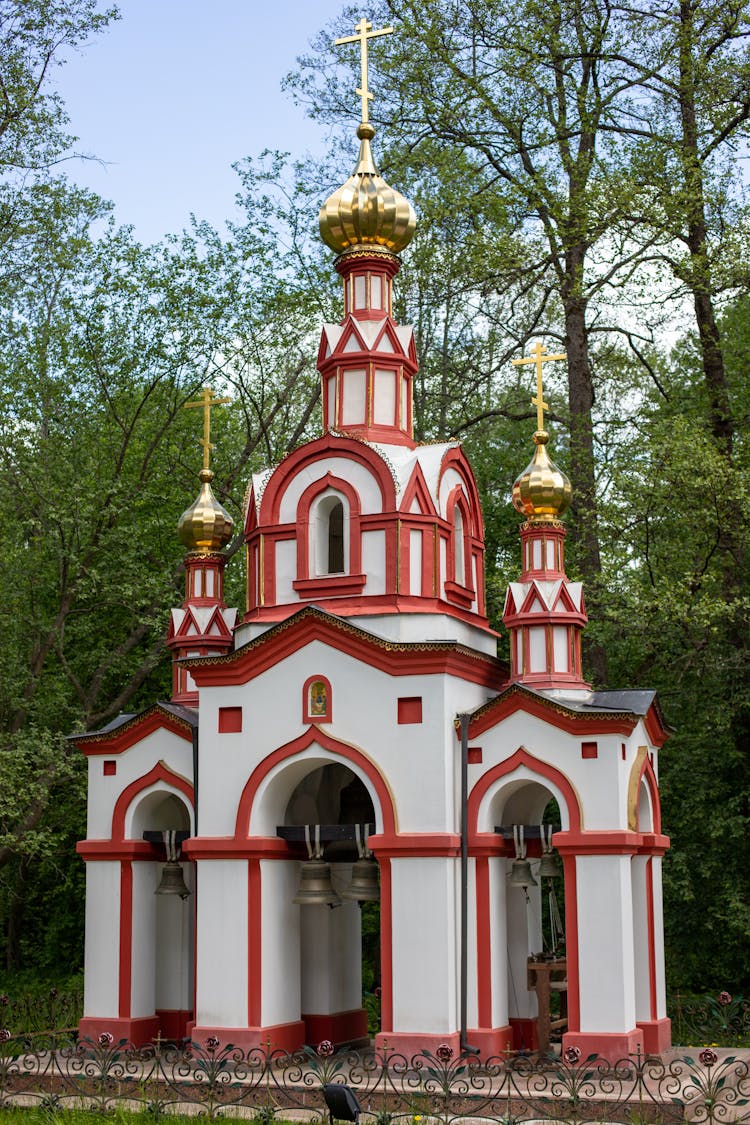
(542, 492)
(367, 212)
(205, 527)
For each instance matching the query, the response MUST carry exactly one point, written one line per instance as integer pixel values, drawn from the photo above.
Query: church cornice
(119, 736)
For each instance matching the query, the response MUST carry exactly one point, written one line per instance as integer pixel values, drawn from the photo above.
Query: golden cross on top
(538, 357)
(364, 32)
(206, 401)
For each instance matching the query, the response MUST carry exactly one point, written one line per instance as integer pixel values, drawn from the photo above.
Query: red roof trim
(134, 730)
(549, 711)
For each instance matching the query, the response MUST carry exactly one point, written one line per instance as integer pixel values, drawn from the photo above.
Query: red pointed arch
(160, 772)
(313, 735)
(417, 489)
(545, 772)
(649, 778)
(305, 503)
(455, 459)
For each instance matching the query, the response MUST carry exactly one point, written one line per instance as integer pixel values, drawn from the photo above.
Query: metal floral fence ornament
(440, 1088)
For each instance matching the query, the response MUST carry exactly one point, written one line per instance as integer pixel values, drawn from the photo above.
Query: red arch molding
(160, 772)
(648, 775)
(477, 846)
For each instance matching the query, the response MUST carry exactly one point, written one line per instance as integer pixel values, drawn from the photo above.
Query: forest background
(578, 172)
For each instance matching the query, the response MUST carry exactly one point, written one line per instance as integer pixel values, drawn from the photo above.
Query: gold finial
(539, 356)
(364, 32)
(206, 401)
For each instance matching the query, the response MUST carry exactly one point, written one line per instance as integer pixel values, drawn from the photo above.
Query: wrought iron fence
(440, 1088)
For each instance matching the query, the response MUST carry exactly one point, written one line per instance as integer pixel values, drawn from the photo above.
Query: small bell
(315, 887)
(548, 868)
(365, 886)
(172, 880)
(520, 874)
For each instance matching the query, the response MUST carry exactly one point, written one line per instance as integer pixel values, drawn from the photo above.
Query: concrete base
(136, 1031)
(491, 1041)
(282, 1037)
(657, 1035)
(338, 1027)
(610, 1045)
(409, 1043)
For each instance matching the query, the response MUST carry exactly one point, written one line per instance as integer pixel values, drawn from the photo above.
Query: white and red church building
(336, 696)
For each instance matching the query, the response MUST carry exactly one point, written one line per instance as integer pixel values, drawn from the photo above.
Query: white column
(641, 938)
(658, 908)
(280, 943)
(606, 960)
(143, 964)
(174, 948)
(221, 941)
(102, 955)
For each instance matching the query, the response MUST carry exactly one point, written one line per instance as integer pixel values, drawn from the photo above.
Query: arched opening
(340, 947)
(459, 547)
(163, 940)
(529, 985)
(329, 538)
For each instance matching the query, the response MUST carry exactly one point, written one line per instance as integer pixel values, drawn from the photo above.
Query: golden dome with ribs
(205, 527)
(365, 212)
(542, 492)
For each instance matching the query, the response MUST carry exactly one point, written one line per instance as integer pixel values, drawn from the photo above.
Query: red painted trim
(371, 604)
(610, 1045)
(589, 750)
(312, 453)
(287, 1037)
(475, 755)
(616, 842)
(484, 942)
(410, 1043)
(269, 649)
(657, 1035)
(417, 489)
(329, 586)
(230, 720)
(570, 880)
(160, 772)
(651, 938)
(461, 592)
(320, 737)
(515, 699)
(251, 847)
(455, 458)
(656, 731)
(137, 1032)
(109, 768)
(254, 943)
(133, 731)
(409, 709)
(90, 850)
(386, 944)
(414, 844)
(307, 717)
(125, 961)
(522, 758)
(338, 1027)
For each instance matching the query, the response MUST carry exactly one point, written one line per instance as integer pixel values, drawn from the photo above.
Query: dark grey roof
(186, 714)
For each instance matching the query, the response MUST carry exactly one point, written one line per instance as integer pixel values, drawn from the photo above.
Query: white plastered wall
(101, 962)
(221, 985)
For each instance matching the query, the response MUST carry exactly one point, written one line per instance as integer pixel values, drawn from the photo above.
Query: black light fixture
(341, 1102)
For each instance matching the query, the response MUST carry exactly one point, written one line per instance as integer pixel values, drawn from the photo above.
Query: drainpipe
(464, 721)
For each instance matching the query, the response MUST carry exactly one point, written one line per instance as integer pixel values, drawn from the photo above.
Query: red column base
(338, 1027)
(173, 1023)
(657, 1035)
(491, 1041)
(136, 1031)
(409, 1043)
(524, 1031)
(281, 1037)
(609, 1045)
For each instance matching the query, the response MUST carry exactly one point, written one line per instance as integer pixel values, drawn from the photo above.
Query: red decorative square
(475, 755)
(623, 751)
(230, 720)
(410, 709)
(589, 749)
(109, 767)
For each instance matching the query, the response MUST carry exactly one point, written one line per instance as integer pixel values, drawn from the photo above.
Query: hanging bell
(315, 887)
(548, 868)
(364, 886)
(520, 874)
(172, 880)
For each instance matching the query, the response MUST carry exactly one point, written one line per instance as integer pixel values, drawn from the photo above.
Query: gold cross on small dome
(538, 357)
(206, 401)
(364, 32)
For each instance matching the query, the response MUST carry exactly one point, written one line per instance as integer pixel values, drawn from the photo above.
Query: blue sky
(176, 91)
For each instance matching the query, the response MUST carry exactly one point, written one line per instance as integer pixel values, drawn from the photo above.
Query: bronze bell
(520, 874)
(172, 880)
(365, 886)
(548, 868)
(315, 887)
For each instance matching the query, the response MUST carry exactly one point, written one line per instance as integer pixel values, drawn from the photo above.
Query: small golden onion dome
(205, 527)
(366, 211)
(542, 492)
